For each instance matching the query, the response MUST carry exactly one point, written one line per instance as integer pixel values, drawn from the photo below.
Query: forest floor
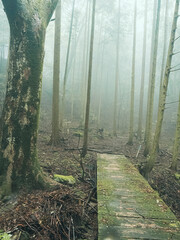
(70, 212)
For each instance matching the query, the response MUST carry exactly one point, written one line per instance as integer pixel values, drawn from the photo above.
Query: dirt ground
(70, 212)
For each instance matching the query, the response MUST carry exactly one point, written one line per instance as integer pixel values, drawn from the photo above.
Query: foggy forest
(89, 119)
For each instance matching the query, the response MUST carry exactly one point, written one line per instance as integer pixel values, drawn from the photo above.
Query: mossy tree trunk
(141, 100)
(162, 98)
(55, 138)
(131, 125)
(19, 165)
(150, 105)
(176, 141)
(86, 127)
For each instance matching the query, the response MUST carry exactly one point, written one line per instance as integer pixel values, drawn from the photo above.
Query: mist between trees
(125, 38)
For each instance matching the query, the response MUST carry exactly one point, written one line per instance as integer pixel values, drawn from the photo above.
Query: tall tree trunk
(149, 118)
(19, 166)
(176, 141)
(73, 78)
(162, 98)
(86, 127)
(56, 75)
(116, 77)
(130, 140)
(101, 89)
(66, 66)
(164, 46)
(141, 100)
(85, 62)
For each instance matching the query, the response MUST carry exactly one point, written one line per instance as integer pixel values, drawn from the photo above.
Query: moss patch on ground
(64, 179)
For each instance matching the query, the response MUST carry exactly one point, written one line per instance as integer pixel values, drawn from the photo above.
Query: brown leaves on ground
(47, 215)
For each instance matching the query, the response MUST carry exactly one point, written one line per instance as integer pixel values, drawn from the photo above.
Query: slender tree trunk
(162, 98)
(151, 63)
(176, 141)
(86, 127)
(149, 118)
(101, 89)
(66, 66)
(85, 63)
(130, 140)
(73, 81)
(117, 77)
(56, 75)
(141, 100)
(19, 166)
(164, 46)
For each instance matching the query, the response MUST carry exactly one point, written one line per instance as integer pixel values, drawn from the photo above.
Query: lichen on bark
(19, 166)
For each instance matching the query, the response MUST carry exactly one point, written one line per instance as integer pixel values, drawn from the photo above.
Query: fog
(104, 62)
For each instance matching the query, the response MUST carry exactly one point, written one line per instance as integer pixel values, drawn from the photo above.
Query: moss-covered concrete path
(128, 208)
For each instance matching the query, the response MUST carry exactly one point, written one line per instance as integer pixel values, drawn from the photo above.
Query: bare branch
(172, 102)
(175, 66)
(175, 70)
(176, 38)
(176, 53)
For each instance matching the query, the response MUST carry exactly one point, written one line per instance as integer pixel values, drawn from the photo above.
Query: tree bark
(141, 100)
(162, 98)
(55, 138)
(176, 141)
(116, 77)
(86, 127)
(164, 46)
(85, 63)
(66, 66)
(149, 117)
(19, 167)
(130, 140)
(101, 89)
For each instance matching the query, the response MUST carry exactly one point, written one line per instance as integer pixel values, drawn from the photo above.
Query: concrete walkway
(128, 208)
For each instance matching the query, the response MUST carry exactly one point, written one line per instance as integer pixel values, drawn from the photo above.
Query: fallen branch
(90, 150)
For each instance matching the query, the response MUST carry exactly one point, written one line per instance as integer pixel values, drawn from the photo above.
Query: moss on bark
(19, 167)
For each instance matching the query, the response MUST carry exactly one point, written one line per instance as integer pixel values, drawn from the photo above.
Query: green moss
(5, 236)
(78, 134)
(127, 193)
(175, 225)
(64, 179)
(177, 176)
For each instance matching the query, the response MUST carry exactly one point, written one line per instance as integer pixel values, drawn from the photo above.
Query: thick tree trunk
(55, 138)
(131, 125)
(162, 98)
(19, 167)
